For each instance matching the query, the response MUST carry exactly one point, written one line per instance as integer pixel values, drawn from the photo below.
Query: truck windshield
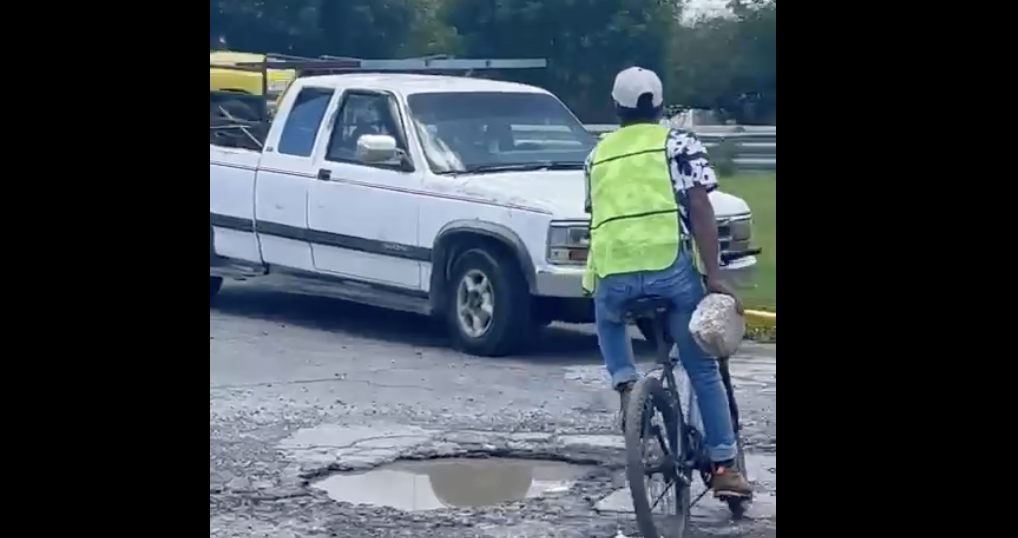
(495, 132)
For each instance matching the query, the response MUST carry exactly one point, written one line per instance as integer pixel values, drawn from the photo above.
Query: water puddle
(454, 483)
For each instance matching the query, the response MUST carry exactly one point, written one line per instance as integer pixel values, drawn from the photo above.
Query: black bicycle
(677, 451)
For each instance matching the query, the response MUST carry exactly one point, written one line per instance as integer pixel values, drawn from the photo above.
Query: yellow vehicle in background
(240, 90)
(231, 80)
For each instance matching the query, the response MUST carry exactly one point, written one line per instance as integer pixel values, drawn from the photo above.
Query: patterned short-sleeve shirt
(689, 163)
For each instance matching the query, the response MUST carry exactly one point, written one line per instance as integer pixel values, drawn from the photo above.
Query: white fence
(757, 146)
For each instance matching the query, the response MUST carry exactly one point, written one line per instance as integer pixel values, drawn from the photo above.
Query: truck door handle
(324, 175)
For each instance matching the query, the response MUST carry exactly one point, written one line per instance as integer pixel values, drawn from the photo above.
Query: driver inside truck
(364, 116)
(375, 119)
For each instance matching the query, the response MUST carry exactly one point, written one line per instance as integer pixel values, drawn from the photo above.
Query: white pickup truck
(449, 197)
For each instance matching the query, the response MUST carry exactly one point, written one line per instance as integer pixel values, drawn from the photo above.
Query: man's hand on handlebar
(719, 285)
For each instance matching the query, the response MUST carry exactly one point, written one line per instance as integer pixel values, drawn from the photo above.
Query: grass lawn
(760, 190)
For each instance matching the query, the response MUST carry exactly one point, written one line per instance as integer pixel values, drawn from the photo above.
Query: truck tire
(215, 284)
(489, 310)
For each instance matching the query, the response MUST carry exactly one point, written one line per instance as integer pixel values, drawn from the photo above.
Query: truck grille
(736, 234)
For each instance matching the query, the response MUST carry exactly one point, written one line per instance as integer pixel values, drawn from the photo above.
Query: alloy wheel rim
(475, 304)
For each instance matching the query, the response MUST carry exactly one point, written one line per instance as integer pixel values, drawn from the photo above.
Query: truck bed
(235, 121)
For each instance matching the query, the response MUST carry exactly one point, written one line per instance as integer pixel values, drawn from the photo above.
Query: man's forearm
(705, 233)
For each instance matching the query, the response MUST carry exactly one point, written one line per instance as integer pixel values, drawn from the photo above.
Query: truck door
(285, 178)
(364, 220)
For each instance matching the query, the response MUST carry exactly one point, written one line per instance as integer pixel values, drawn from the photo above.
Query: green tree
(429, 34)
(756, 70)
(359, 28)
(729, 63)
(586, 41)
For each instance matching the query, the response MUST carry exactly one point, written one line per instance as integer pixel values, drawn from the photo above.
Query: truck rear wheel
(489, 307)
(215, 284)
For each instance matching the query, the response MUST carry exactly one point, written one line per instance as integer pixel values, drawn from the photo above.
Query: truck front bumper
(560, 282)
(567, 282)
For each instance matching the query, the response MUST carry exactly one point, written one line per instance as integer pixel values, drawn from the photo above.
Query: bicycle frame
(690, 407)
(686, 452)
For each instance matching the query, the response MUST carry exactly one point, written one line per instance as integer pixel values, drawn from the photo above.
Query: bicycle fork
(733, 406)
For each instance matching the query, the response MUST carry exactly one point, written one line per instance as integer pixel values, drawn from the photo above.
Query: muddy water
(435, 485)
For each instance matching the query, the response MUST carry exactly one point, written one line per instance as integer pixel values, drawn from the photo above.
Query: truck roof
(410, 84)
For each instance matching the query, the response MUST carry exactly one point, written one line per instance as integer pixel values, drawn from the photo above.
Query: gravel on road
(302, 389)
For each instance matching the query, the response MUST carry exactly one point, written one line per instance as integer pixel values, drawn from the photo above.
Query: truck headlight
(568, 244)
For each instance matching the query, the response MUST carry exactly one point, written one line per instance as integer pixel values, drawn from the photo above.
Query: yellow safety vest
(635, 225)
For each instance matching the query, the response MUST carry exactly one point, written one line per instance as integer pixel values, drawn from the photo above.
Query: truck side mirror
(377, 149)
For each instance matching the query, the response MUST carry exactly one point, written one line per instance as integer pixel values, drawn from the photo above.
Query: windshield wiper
(552, 166)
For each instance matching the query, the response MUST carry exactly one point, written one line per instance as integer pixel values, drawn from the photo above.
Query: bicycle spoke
(666, 464)
(662, 497)
(664, 444)
(698, 499)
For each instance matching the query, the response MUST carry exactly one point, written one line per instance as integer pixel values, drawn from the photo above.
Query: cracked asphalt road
(301, 388)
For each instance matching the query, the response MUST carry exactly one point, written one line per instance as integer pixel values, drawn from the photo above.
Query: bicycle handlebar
(731, 257)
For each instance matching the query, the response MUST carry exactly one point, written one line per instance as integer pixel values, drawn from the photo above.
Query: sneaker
(730, 482)
(625, 395)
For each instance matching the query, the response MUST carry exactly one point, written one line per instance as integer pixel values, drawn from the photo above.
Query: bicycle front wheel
(656, 451)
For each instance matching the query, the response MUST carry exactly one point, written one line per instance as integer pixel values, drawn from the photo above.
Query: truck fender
(447, 239)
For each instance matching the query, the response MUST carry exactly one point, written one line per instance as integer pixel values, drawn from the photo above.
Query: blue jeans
(682, 284)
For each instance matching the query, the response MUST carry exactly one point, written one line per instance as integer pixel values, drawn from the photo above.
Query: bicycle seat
(649, 307)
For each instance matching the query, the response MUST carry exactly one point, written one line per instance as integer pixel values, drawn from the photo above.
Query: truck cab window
(465, 130)
(363, 114)
(304, 121)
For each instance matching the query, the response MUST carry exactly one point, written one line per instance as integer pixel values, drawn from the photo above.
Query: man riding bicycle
(648, 191)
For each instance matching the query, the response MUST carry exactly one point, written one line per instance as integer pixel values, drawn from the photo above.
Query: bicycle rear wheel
(653, 419)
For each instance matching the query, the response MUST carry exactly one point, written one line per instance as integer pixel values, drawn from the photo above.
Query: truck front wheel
(215, 284)
(490, 306)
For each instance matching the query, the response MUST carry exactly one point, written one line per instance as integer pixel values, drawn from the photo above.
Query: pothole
(452, 483)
